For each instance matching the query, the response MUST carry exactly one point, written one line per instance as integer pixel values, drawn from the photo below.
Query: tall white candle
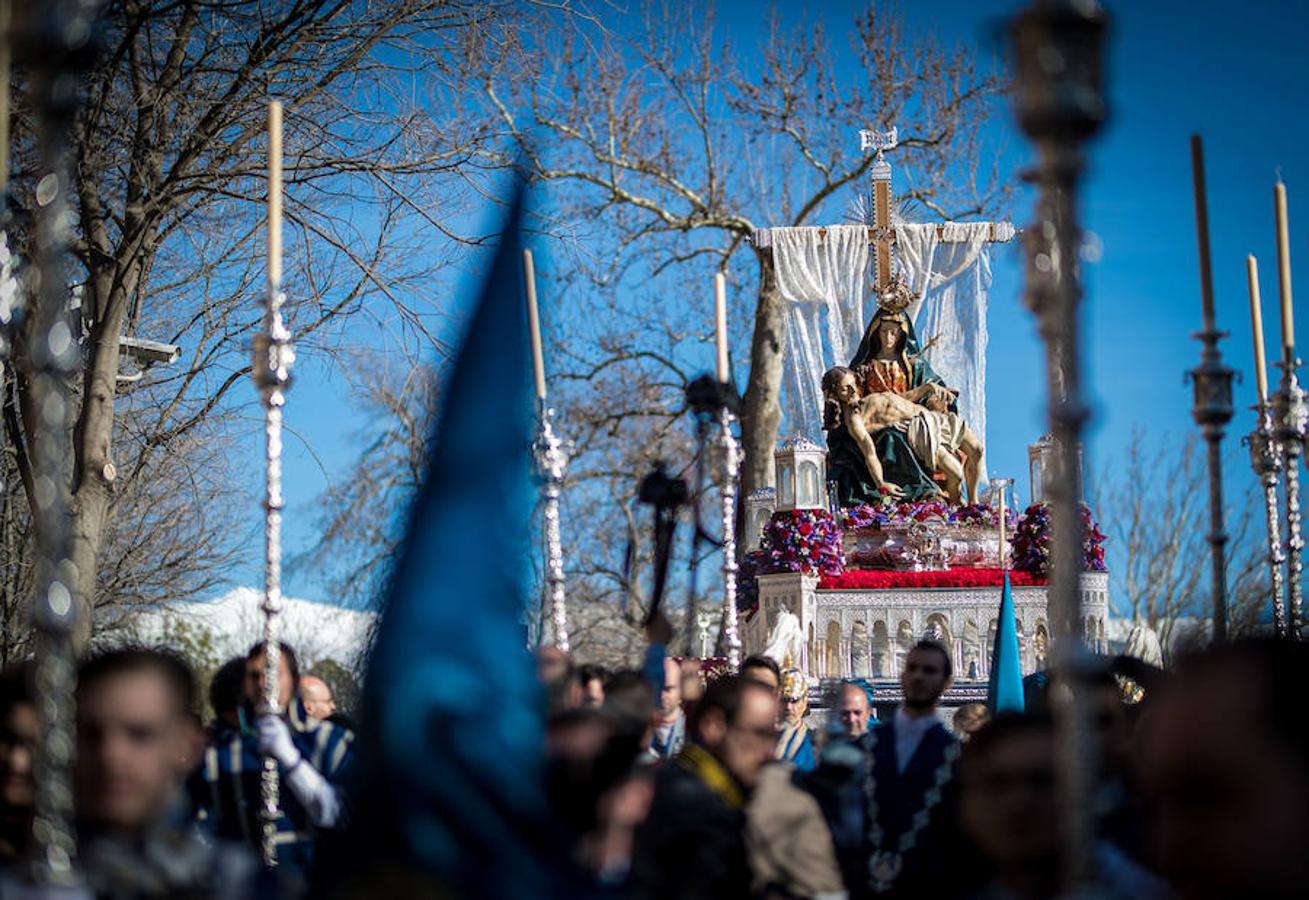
(534, 324)
(1284, 265)
(275, 193)
(1257, 326)
(720, 322)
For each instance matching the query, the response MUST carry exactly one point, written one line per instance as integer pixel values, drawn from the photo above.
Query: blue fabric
(228, 792)
(454, 727)
(802, 756)
(1004, 693)
(653, 668)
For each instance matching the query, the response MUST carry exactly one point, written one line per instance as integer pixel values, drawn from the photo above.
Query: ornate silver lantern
(801, 469)
(759, 508)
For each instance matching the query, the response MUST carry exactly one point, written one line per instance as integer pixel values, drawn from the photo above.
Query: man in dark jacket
(888, 796)
(692, 845)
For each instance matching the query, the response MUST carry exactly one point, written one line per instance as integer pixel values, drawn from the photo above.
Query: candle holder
(1058, 52)
(552, 456)
(714, 404)
(1290, 420)
(274, 355)
(1212, 409)
(1266, 460)
(727, 475)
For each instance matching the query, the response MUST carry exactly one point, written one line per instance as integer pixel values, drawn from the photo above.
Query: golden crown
(896, 296)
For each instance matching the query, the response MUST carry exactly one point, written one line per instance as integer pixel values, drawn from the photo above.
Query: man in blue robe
(888, 796)
(796, 743)
(314, 759)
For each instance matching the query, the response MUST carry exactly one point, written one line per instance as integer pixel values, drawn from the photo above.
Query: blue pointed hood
(1005, 691)
(453, 734)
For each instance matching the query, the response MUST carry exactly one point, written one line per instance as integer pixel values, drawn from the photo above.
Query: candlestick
(1202, 232)
(1284, 266)
(534, 324)
(1257, 326)
(720, 321)
(275, 194)
(274, 355)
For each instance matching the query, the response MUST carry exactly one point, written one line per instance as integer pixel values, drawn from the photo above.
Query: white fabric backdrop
(826, 272)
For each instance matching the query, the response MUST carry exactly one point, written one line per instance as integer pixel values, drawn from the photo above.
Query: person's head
(288, 675)
(592, 679)
(794, 696)
(593, 782)
(1007, 796)
(927, 673)
(1225, 758)
(692, 682)
(552, 665)
(969, 718)
(889, 334)
(840, 389)
(227, 690)
(135, 736)
(853, 710)
(763, 669)
(670, 697)
(18, 735)
(630, 699)
(736, 721)
(316, 697)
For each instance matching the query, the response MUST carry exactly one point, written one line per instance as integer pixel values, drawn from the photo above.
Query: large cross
(881, 235)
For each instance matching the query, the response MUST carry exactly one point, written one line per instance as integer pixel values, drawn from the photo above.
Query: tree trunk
(761, 412)
(94, 474)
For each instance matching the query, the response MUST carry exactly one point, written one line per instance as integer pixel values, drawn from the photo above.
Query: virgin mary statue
(889, 359)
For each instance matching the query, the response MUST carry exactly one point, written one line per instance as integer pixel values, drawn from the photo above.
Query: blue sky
(1235, 74)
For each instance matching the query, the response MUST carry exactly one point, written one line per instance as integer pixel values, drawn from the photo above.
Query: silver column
(727, 473)
(1266, 460)
(552, 456)
(274, 355)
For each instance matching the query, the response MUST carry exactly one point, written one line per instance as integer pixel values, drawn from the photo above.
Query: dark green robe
(900, 466)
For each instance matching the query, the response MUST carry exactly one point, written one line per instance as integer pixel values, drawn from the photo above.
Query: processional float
(273, 356)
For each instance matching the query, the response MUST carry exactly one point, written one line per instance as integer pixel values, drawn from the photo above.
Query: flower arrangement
(889, 512)
(1032, 541)
(801, 540)
(950, 578)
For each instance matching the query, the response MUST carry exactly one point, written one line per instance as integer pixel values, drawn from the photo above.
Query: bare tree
(362, 523)
(658, 151)
(168, 195)
(1153, 505)
(667, 147)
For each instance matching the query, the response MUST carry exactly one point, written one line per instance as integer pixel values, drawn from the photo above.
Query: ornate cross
(882, 235)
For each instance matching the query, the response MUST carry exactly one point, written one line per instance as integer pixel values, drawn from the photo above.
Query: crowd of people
(665, 784)
(1199, 788)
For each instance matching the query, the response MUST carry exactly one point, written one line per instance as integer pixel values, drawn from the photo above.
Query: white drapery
(819, 271)
(826, 271)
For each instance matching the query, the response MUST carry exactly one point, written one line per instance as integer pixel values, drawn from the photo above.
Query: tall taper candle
(534, 324)
(1257, 326)
(1284, 265)
(275, 194)
(1202, 232)
(720, 322)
